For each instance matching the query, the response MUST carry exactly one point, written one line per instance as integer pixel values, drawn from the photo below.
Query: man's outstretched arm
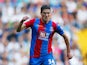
(60, 31)
(21, 26)
(67, 45)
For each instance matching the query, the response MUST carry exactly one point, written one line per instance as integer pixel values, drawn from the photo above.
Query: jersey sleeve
(58, 29)
(29, 23)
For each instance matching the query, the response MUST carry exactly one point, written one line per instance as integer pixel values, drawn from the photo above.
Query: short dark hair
(45, 7)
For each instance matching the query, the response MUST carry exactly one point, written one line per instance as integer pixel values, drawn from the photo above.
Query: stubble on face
(46, 15)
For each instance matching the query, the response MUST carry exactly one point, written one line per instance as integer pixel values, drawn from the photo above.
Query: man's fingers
(69, 56)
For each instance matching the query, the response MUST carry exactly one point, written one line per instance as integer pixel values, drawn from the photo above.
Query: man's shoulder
(53, 22)
(32, 18)
(35, 20)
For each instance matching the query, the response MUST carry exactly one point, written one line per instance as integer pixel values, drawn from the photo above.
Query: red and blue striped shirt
(42, 36)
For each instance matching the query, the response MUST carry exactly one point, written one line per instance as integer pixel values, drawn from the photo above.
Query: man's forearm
(67, 43)
(68, 46)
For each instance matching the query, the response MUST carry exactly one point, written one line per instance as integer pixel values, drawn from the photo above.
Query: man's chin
(46, 20)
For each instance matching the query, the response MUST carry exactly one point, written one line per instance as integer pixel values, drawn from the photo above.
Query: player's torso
(41, 37)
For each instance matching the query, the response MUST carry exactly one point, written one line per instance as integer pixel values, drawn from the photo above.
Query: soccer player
(42, 32)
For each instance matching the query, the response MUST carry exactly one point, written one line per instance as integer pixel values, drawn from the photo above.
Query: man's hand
(69, 56)
(20, 27)
(24, 19)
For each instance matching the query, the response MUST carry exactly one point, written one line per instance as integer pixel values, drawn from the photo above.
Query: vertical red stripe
(38, 45)
(54, 26)
(50, 40)
(37, 48)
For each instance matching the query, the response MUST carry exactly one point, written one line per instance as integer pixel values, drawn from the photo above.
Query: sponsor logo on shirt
(43, 35)
(51, 29)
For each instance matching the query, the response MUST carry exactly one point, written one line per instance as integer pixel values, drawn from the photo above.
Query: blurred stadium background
(70, 14)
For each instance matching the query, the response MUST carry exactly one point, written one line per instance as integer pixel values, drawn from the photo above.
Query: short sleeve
(29, 23)
(58, 29)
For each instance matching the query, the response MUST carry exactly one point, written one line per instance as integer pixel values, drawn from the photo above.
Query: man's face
(46, 15)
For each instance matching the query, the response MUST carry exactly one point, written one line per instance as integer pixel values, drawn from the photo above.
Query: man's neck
(45, 22)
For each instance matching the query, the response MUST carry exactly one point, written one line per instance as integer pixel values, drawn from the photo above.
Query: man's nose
(47, 14)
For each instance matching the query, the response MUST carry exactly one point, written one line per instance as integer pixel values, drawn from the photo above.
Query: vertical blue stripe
(34, 36)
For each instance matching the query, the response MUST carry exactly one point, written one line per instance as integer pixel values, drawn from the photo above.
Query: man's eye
(44, 13)
(48, 13)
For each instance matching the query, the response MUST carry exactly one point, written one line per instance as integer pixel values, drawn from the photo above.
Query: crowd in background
(71, 15)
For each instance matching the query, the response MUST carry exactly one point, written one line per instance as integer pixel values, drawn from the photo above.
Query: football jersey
(42, 34)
